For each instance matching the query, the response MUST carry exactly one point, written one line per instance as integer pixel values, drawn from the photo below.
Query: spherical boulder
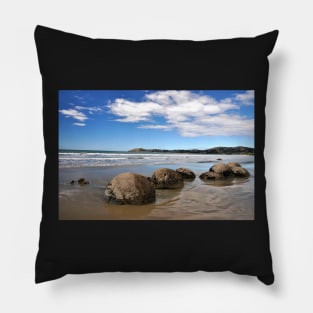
(239, 171)
(130, 188)
(186, 173)
(165, 178)
(222, 169)
(211, 176)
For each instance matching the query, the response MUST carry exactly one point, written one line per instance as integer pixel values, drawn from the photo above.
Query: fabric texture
(72, 62)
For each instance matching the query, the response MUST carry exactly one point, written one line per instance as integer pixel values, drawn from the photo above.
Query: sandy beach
(230, 199)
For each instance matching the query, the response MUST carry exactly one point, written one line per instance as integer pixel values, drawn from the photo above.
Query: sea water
(84, 158)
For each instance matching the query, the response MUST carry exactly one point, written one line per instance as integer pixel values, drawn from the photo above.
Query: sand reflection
(126, 211)
(225, 182)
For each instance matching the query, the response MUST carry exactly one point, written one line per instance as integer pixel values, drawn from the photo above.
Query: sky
(120, 120)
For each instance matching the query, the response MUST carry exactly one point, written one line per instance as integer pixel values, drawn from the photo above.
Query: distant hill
(216, 150)
(138, 150)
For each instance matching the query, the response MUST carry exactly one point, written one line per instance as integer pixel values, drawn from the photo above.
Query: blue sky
(120, 120)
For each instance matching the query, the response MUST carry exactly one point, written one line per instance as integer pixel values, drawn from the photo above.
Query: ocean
(85, 158)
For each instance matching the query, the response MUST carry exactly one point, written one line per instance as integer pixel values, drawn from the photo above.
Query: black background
(73, 62)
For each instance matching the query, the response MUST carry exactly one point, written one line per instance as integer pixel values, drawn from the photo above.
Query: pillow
(154, 155)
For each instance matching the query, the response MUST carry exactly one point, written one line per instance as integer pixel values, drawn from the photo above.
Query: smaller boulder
(222, 169)
(239, 171)
(165, 178)
(82, 181)
(186, 173)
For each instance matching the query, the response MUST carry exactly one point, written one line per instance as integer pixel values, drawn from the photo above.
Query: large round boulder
(222, 169)
(239, 171)
(130, 188)
(186, 173)
(165, 178)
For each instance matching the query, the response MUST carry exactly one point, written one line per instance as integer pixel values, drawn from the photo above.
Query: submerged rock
(130, 188)
(165, 178)
(82, 181)
(186, 173)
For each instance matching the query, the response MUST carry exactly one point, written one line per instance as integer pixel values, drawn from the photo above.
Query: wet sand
(231, 199)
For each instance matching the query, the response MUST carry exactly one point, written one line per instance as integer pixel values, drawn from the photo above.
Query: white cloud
(246, 98)
(78, 97)
(191, 114)
(163, 127)
(90, 109)
(134, 111)
(77, 114)
(80, 116)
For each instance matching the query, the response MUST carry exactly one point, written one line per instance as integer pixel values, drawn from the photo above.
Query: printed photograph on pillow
(156, 155)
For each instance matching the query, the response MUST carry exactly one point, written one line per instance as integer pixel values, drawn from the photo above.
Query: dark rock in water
(72, 182)
(165, 178)
(222, 169)
(219, 159)
(239, 171)
(82, 181)
(130, 188)
(217, 171)
(211, 176)
(234, 164)
(205, 161)
(186, 173)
